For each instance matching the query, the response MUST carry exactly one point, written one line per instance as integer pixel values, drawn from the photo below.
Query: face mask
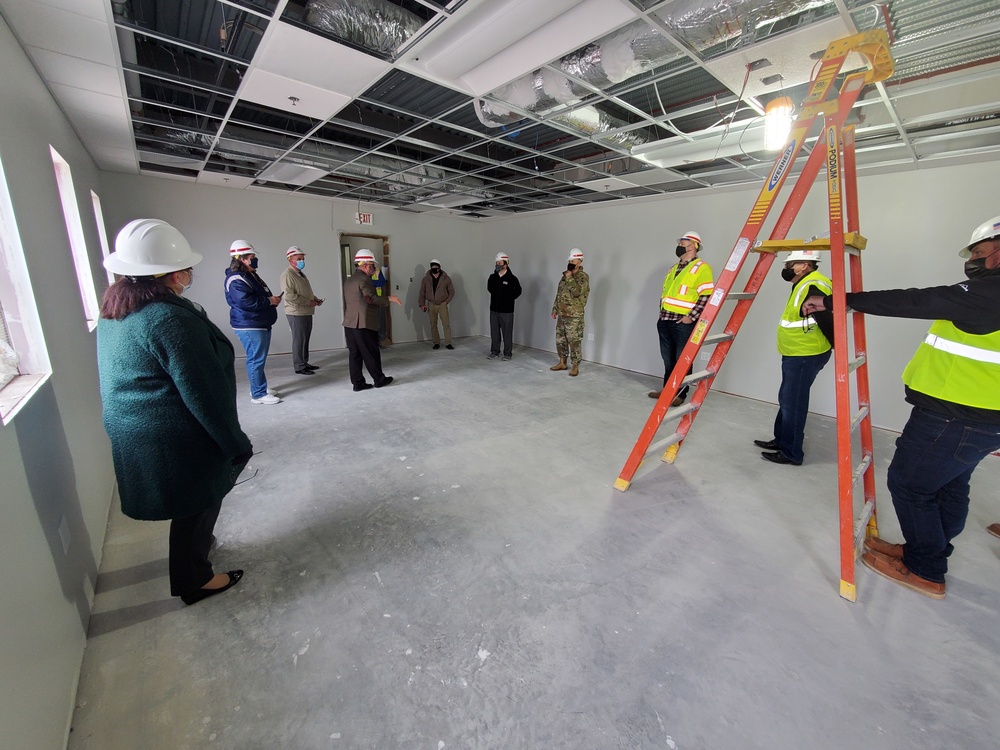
(435, 271)
(975, 268)
(571, 267)
(680, 250)
(190, 282)
(300, 264)
(788, 274)
(499, 267)
(253, 264)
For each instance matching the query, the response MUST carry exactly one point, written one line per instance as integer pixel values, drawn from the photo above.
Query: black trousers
(190, 541)
(501, 326)
(301, 326)
(362, 346)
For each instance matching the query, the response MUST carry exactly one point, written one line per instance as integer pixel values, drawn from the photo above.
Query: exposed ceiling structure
(492, 107)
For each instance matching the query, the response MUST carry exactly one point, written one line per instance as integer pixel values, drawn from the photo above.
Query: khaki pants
(442, 311)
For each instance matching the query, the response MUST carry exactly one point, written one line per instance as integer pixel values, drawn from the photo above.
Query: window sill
(18, 392)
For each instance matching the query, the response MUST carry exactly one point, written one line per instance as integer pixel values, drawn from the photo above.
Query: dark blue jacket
(249, 301)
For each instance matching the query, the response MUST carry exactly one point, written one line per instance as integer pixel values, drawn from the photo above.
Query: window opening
(77, 243)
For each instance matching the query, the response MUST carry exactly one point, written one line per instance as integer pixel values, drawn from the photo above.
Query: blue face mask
(253, 263)
(300, 264)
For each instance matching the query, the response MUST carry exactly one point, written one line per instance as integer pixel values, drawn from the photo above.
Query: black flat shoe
(303, 372)
(779, 458)
(384, 383)
(436, 346)
(363, 386)
(448, 346)
(197, 596)
(310, 367)
(771, 445)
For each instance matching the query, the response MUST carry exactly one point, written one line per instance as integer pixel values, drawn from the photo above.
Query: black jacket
(503, 291)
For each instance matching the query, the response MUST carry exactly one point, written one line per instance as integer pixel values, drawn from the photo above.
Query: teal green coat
(169, 393)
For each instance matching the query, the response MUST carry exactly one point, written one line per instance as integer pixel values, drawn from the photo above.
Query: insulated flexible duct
(375, 25)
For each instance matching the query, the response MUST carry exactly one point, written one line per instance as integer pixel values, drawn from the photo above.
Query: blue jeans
(256, 344)
(929, 483)
(797, 376)
(673, 338)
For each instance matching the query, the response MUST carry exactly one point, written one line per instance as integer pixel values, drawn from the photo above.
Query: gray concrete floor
(444, 563)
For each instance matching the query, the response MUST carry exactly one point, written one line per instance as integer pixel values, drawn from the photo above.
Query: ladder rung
(741, 295)
(854, 364)
(862, 523)
(697, 377)
(718, 338)
(659, 445)
(676, 413)
(862, 467)
(862, 413)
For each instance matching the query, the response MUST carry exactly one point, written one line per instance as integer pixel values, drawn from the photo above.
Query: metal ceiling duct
(612, 59)
(705, 24)
(375, 25)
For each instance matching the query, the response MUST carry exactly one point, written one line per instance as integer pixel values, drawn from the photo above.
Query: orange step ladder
(835, 151)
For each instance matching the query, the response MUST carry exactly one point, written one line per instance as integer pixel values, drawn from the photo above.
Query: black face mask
(435, 271)
(499, 267)
(680, 250)
(975, 268)
(570, 267)
(253, 263)
(788, 274)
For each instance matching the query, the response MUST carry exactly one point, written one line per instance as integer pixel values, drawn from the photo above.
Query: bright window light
(24, 358)
(101, 231)
(777, 122)
(74, 226)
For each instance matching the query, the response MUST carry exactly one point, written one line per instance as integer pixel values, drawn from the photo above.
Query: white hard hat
(576, 254)
(241, 247)
(149, 247)
(364, 256)
(435, 262)
(294, 250)
(500, 257)
(985, 231)
(692, 236)
(802, 255)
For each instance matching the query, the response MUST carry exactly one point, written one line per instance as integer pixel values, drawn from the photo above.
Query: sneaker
(994, 529)
(267, 398)
(493, 356)
(505, 358)
(271, 392)
(882, 547)
(895, 570)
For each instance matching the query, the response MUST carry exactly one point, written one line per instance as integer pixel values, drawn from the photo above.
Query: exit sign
(360, 218)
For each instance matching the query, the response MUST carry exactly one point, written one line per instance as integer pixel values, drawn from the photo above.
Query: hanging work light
(777, 122)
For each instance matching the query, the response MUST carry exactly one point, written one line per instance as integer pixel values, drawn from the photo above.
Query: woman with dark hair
(169, 394)
(252, 312)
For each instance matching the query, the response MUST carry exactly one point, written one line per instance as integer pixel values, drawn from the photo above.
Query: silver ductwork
(705, 24)
(376, 25)
(610, 60)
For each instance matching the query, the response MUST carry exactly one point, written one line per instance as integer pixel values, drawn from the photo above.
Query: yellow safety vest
(681, 290)
(956, 366)
(798, 336)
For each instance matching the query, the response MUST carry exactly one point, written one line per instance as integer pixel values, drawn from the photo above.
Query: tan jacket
(298, 292)
(361, 304)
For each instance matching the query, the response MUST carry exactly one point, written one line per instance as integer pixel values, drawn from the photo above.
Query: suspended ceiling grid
(256, 94)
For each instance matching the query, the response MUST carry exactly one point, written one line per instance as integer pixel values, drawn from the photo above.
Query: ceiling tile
(302, 56)
(278, 91)
(56, 67)
(58, 30)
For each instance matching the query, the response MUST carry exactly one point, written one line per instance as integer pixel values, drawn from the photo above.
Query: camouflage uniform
(571, 298)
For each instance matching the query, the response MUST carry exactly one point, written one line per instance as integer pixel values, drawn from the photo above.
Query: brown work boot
(894, 569)
(561, 365)
(653, 394)
(994, 529)
(882, 547)
(575, 371)
(678, 400)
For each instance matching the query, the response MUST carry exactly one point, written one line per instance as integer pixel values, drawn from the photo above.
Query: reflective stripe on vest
(681, 296)
(798, 336)
(955, 366)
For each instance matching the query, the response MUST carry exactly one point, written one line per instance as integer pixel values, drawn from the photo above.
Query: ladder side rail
(860, 335)
(831, 143)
